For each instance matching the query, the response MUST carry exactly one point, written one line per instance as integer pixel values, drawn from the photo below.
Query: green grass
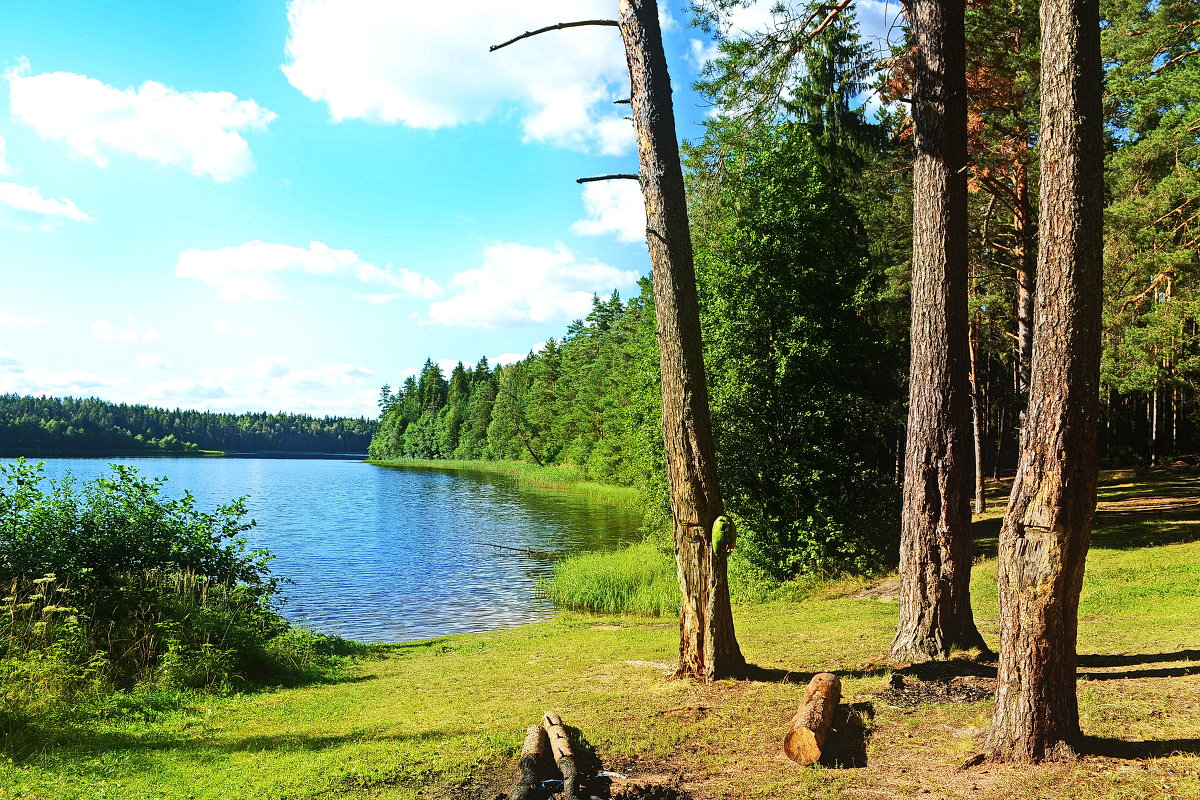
(639, 579)
(561, 478)
(444, 718)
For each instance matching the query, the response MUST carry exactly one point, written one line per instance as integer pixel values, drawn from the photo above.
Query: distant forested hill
(53, 426)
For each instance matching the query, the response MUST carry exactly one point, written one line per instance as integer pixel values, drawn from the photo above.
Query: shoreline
(551, 478)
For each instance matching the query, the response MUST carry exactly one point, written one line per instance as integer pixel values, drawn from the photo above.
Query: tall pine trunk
(708, 648)
(1047, 528)
(1025, 277)
(977, 412)
(935, 543)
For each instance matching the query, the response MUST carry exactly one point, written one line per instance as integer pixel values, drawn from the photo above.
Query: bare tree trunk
(1026, 276)
(935, 544)
(1047, 528)
(977, 417)
(708, 648)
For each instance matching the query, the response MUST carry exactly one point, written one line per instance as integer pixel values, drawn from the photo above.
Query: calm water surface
(393, 555)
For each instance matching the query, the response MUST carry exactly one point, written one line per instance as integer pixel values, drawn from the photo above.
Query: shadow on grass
(753, 672)
(950, 669)
(846, 747)
(1137, 750)
(1121, 660)
(1101, 661)
(1115, 529)
(33, 741)
(1161, 672)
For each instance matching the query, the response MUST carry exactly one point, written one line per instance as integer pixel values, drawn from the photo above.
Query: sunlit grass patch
(639, 579)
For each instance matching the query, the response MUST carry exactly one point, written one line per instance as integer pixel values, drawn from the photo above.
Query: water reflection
(393, 555)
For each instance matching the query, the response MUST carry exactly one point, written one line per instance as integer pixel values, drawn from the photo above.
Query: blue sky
(272, 205)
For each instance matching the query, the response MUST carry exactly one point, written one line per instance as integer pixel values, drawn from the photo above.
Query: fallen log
(533, 753)
(806, 736)
(560, 746)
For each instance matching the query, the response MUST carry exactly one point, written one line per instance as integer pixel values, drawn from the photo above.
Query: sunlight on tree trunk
(935, 543)
(708, 648)
(1047, 528)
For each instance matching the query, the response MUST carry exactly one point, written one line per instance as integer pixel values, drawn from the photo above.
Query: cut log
(560, 746)
(533, 754)
(806, 736)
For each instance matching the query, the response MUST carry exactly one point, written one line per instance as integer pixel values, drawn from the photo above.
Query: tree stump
(806, 736)
(533, 753)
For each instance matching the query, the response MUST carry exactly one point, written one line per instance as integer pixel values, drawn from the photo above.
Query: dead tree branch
(619, 176)
(608, 23)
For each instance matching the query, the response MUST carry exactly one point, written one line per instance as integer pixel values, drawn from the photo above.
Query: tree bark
(708, 648)
(977, 416)
(805, 739)
(1047, 528)
(564, 759)
(1026, 277)
(533, 754)
(935, 543)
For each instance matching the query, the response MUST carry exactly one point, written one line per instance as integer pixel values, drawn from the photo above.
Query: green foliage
(1152, 242)
(803, 407)
(588, 401)
(135, 590)
(119, 524)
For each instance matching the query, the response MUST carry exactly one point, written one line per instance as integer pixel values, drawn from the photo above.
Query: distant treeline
(590, 399)
(53, 426)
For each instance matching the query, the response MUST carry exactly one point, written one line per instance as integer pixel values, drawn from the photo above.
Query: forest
(801, 214)
(51, 426)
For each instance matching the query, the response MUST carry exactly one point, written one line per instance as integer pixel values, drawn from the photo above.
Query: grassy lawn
(444, 718)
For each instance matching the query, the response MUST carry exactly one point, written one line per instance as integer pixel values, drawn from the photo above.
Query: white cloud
(504, 359)
(76, 383)
(24, 209)
(666, 21)
(256, 270)
(106, 331)
(225, 326)
(153, 363)
(615, 207)
(7, 359)
(700, 52)
(428, 66)
(268, 383)
(186, 389)
(518, 284)
(201, 131)
(5, 167)
(10, 320)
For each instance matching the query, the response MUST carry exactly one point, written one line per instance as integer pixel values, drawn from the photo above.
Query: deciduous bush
(113, 585)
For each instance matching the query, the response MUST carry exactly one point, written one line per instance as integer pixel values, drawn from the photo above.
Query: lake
(387, 554)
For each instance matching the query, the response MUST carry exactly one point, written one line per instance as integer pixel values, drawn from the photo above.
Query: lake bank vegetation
(41, 427)
(561, 478)
(445, 717)
(117, 596)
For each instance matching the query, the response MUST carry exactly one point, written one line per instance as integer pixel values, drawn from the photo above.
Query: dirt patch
(605, 786)
(906, 693)
(886, 591)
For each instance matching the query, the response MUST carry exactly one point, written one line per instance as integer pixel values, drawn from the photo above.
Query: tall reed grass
(639, 579)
